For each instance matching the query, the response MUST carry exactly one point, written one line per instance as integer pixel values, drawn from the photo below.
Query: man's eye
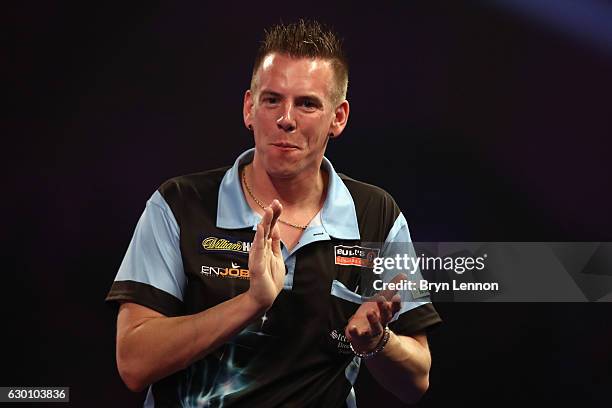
(270, 100)
(309, 104)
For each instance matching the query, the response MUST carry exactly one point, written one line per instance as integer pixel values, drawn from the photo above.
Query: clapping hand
(266, 264)
(366, 327)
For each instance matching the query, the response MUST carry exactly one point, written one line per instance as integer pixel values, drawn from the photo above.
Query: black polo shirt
(190, 252)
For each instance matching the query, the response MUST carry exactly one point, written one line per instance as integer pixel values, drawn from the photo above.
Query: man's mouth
(284, 145)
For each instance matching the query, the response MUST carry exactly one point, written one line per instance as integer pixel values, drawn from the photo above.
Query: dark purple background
(484, 124)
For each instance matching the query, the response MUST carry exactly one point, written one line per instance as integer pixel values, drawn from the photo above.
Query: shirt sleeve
(151, 273)
(417, 312)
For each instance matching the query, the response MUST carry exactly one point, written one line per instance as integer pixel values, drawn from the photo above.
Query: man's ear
(341, 115)
(247, 109)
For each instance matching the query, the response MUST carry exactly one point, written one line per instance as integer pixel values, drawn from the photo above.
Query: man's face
(292, 114)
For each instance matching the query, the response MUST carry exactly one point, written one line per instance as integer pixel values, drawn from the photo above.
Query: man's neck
(304, 192)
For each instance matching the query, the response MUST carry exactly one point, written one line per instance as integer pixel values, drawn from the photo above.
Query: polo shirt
(189, 252)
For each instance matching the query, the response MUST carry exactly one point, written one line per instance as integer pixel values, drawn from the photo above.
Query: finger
(257, 249)
(385, 311)
(266, 220)
(388, 293)
(352, 332)
(277, 209)
(375, 327)
(276, 247)
(396, 304)
(379, 298)
(258, 240)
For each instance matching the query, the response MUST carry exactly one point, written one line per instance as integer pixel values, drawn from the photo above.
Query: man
(241, 286)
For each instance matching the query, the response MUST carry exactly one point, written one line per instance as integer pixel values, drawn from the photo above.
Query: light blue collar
(338, 215)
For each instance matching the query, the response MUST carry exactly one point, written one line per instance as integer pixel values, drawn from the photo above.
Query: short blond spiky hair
(306, 39)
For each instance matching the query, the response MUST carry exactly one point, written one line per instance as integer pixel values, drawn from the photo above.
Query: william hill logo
(235, 272)
(223, 244)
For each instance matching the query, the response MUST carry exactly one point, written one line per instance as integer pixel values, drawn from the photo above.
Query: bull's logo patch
(355, 256)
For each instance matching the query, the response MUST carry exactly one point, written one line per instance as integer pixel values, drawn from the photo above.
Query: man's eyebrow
(312, 98)
(270, 93)
(309, 97)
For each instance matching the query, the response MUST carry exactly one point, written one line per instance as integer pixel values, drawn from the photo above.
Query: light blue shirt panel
(338, 215)
(233, 211)
(153, 256)
(339, 290)
(398, 242)
(351, 372)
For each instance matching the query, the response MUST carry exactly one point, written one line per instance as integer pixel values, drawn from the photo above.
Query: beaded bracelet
(378, 349)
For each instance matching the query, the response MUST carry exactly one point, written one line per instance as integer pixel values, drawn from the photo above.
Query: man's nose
(286, 121)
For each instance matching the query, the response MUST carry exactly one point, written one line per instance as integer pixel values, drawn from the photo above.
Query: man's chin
(283, 173)
(282, 167)
(285, 166)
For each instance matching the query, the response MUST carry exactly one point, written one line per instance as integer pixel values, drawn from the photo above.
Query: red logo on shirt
(355, 256)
